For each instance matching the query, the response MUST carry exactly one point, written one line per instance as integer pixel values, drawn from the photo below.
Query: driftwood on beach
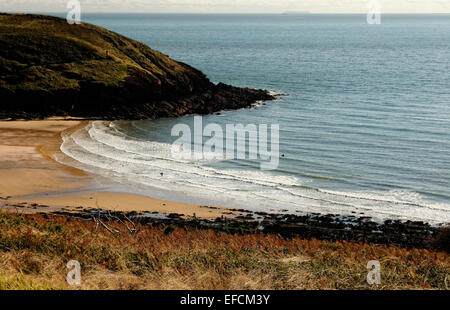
(330, 227)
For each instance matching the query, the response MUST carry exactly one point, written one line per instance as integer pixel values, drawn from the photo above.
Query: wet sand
(27, 167)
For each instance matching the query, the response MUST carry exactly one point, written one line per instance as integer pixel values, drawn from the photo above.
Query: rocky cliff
(51, 68)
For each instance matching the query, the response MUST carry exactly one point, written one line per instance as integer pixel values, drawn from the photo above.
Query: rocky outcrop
(51, 68)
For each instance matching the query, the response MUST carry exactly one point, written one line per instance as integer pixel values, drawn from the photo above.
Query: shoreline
(37, 183)
(27, 161)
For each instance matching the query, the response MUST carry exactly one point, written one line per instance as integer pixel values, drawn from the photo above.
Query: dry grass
(34, 251)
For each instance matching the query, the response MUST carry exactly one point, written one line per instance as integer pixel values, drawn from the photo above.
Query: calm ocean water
(365, 127)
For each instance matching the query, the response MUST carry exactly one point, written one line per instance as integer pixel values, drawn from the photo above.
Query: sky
(228, 6)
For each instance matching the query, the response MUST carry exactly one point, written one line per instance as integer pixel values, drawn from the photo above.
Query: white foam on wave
(102, 149)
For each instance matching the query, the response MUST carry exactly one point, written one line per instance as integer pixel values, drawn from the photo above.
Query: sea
(364, 115)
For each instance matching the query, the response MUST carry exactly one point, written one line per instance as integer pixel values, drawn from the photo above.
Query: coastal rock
(329, 227)
(51, 68)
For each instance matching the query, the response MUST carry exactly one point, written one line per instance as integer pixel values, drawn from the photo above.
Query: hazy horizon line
(228, 13)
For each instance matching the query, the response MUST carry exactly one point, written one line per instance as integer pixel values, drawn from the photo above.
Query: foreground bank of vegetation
(34, 251)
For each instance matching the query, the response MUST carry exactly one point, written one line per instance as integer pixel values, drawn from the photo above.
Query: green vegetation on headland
(119, 254)
(51, 68)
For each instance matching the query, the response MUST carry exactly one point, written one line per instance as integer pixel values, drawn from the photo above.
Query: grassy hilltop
(48, 67)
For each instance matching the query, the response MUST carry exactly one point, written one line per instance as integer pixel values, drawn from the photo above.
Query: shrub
(441, 241)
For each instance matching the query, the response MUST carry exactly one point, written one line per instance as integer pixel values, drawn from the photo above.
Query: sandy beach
(27, 167)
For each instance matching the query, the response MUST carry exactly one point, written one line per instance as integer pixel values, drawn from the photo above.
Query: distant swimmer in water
(162, 174)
